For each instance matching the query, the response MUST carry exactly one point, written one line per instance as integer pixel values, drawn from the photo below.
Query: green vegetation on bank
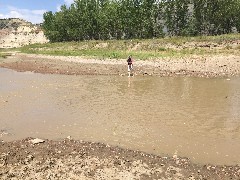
(141, 19)
(141, 49)
(4, 53)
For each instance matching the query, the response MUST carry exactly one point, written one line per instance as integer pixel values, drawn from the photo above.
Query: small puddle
(193, 117)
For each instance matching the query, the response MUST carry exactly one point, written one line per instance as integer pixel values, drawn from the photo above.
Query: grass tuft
(4, 54)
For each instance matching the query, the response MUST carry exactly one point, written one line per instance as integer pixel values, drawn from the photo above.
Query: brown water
(193, 117)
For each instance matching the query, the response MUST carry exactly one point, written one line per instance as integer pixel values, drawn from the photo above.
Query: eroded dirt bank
(70, 159)
(204, 66)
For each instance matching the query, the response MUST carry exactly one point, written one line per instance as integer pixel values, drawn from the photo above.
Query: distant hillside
(16, 32)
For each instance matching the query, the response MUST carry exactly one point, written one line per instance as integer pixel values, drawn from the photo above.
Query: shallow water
(193, 117)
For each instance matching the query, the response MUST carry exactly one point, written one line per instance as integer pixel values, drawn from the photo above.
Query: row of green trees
(126, 19)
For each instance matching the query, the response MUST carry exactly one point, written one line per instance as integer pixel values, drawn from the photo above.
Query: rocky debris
(16, 32)
(69, 137)
(70, 159)
(37, 141)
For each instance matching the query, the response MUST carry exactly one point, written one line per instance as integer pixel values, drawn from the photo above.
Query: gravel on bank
(198, 66)
(71, 159)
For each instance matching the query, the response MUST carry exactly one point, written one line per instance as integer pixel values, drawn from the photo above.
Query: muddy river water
(197, 118)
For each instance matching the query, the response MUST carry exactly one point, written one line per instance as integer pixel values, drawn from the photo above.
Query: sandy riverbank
(207, 66)
(69, 159)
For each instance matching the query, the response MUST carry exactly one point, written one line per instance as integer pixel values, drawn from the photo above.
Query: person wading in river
(130, 65)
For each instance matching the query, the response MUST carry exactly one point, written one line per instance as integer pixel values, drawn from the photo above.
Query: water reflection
(195, 117)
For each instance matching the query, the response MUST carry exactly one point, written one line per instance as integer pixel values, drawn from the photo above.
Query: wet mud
(73, 159)
(70, 159)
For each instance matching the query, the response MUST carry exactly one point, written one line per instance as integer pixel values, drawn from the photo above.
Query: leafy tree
(126, 19)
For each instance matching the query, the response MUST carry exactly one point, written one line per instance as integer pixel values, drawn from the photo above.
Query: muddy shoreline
(196, 66)
(70, 159)
(74, 159)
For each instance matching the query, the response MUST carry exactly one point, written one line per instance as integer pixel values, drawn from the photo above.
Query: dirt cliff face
(17, 32)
